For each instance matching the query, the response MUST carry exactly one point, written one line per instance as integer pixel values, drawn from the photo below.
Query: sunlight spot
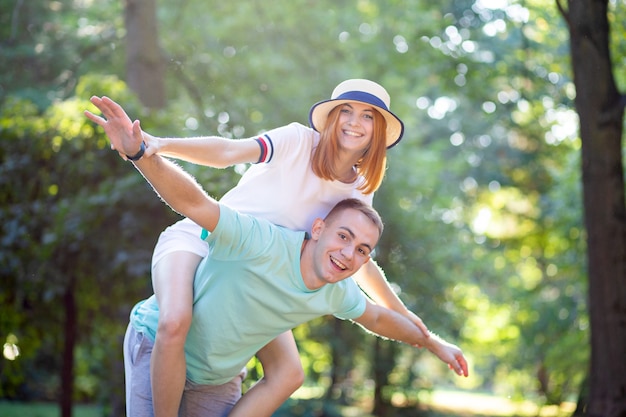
(240, 168)
(10, 350)
(229, 52)
(489, 107)
(366, 29)
(239, 131)
(468, 46)
(435, 42)
(422, 103)
(457, 139)
(494, 186)
(191, 123)
(402, 45)
(493, 28)
(223, 117)
(480, 224)
(469, 184)
(55, 6)
(441, 107)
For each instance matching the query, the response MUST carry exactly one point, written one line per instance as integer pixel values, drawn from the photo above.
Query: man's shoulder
(230, 218)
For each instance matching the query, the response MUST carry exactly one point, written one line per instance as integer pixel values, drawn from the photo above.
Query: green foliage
(69, 211)
(482, 205)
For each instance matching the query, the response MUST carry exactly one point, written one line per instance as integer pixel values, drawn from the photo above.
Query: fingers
(109, 108)
(137, 134)
(463, 363)
(459, 366)
(96, 119)
(114, 109)
(422, 326)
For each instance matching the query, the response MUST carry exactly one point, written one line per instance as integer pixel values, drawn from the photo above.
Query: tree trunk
(383, 363)
(601, 108)
(67, 370)
(145, 65)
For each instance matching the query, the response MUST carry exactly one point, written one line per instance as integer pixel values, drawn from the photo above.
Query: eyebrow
(350, 105)
(351, 233)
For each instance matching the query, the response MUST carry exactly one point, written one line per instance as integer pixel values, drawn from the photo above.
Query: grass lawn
(439, 403)
(462, 403)
(13, 409)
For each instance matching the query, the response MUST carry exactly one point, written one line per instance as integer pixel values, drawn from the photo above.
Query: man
(258, 281)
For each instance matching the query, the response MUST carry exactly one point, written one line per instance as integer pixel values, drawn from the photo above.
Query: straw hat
(363, 91)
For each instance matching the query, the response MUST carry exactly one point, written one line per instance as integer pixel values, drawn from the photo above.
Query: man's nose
(348, 252)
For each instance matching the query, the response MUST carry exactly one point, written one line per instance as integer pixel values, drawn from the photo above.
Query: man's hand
(448, 353)
(125, 136)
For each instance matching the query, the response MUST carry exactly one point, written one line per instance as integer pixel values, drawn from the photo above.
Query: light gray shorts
(198, 400)
(183, 235)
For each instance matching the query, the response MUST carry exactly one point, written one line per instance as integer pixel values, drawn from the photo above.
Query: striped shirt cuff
(267, 149)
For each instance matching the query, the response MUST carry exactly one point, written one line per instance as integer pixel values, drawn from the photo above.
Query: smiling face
(339, 247)
(356, 126)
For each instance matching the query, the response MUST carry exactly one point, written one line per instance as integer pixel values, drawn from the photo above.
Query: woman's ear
(316, 229)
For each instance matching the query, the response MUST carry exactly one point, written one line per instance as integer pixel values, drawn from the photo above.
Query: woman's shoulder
(291, 137)
(293, 129)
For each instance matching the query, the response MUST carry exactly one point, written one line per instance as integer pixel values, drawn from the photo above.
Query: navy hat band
(363, 97)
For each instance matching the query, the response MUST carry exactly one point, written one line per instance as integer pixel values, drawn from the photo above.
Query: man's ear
(316, 229)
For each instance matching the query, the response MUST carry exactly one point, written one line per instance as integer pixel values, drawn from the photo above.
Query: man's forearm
(392, 325)
(175, 186)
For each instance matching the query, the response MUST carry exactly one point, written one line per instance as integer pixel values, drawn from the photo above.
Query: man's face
(344, 244)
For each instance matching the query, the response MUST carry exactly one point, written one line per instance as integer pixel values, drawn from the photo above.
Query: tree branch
(563, 12)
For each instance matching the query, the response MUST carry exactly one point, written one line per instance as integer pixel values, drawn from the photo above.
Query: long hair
(372, 164)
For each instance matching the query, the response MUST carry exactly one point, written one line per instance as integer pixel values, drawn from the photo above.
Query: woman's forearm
(372, 281)
(212, 151)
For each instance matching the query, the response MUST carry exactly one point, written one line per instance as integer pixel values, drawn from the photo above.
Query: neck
(345, 168)
(306, 265)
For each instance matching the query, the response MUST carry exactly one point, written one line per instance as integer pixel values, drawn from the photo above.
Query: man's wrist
(139, 154)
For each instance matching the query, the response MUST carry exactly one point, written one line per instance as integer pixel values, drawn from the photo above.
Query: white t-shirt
(283, 189)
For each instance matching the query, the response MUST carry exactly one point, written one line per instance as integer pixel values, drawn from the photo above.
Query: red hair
(373, 162)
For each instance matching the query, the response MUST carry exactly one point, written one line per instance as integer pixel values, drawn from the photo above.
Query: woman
(298, 174)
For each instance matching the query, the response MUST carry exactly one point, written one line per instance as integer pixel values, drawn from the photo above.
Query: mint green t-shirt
(247, 291)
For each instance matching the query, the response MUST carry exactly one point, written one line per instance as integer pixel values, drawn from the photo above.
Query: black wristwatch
(139, 154)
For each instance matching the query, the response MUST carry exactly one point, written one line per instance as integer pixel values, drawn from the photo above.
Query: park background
(488, 214)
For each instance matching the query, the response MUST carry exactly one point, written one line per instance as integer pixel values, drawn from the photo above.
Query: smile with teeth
(338, 264)
(351, 133)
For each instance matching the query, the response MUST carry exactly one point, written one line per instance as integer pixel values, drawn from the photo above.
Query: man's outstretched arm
(175, 186)
(392, 325)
